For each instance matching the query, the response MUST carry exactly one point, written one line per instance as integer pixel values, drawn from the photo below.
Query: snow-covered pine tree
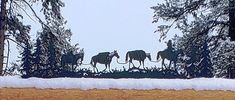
(198, 62)
(51, 55)
(27, 59)
(60, 43)
(191, 61)
(44, 38)
(38, 55)
(51, 64)
(55, 31)
(223, 57)
(205, 65)
(190, 44)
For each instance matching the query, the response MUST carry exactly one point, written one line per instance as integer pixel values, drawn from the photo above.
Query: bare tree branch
(35, 14)
(24, 11)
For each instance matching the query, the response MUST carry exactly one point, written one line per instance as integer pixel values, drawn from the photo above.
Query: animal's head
(149, 56)
(79, 58)
(116, 54)
(80, 55)
(81, 51)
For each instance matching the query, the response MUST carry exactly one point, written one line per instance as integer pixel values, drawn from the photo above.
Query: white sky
(107, 25)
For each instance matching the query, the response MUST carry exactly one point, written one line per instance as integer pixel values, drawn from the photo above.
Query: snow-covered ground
(140, 84)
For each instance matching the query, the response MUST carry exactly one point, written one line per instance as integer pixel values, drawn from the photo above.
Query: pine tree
(191, 62)
(205, 65)
(190, 44)
(223, 57)
(37, 56)
(51, 55)
(27, 59)
(55, 31)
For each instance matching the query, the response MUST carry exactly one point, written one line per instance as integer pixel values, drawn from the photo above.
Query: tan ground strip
(113, 94)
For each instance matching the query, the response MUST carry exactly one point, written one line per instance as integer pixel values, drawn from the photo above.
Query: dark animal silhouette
(70, 58)
(103, 58)
(170, 55)
(138, 55)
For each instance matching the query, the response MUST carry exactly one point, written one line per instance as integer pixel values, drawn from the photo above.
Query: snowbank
(140, 84)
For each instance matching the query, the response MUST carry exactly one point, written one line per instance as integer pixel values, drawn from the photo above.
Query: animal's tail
(158, 55)
(127, 54)
(91, 62)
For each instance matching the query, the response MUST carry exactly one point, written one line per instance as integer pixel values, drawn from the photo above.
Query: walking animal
(70, 58)
(103, 58)
(170, 55)
(138, 55)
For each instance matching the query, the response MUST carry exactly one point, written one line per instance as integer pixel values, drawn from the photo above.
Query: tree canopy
(194, 16)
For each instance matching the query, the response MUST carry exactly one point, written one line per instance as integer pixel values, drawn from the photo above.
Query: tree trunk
(232, 19)
(2, 33)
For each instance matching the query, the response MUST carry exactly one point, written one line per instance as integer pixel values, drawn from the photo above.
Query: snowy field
(139, 84)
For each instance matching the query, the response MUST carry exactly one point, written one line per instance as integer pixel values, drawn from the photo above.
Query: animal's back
(140, 51)
(103, 57)
(103, 54)
(139, 54)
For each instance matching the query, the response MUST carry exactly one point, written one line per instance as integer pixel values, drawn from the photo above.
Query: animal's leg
(133, 64)
(130, 62)
(143, 65)
(72, 67)
(163, 64)
(94, 66)
(129, 65)
(170, 64)
(140, 64)
(105, 67)
(175, 65)
(109, 67)
(75, 67)
(97, 69)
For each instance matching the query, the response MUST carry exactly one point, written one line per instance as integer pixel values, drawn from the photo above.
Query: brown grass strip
(113, 94)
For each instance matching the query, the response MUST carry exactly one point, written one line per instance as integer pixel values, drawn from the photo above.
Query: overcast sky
(107, 25)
